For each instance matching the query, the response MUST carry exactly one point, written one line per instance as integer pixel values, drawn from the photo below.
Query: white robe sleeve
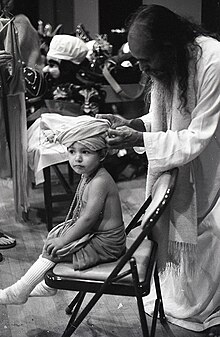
(146, 119)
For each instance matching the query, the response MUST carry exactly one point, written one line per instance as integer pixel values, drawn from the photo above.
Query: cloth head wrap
(68, 48)
(87, 130)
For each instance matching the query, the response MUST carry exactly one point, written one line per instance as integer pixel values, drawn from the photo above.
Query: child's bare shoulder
(103, 178)
(105, 175)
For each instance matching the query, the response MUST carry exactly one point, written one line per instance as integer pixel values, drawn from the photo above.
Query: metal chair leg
(162, 315)
(140, 304)
(72, 304)
(73, 325)
(77, 302)
(154, 319)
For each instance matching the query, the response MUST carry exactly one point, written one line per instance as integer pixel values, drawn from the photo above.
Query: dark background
(113, 13)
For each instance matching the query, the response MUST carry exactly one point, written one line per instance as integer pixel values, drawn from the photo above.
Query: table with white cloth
(44, 155)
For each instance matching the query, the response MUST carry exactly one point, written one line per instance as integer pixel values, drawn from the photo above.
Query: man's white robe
(193, 300)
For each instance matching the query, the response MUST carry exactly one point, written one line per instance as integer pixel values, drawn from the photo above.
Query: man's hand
(115, 120)
(5, 57)
(124, 137)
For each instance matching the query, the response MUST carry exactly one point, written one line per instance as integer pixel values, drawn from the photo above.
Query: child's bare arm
(97, 194)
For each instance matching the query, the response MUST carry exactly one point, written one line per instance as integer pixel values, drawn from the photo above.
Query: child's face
(83, 160)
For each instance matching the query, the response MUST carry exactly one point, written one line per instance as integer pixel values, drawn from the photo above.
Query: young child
(93, 231)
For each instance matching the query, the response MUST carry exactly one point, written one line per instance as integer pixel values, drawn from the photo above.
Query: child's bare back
(102, 194)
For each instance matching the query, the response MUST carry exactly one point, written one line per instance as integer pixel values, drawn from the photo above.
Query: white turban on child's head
(87, 130)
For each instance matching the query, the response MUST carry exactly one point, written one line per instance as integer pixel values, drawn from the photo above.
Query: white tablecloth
(41, 152)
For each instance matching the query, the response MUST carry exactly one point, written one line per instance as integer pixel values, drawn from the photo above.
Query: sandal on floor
(6, 241)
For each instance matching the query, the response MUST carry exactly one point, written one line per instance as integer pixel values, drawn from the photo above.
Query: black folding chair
(131, 275)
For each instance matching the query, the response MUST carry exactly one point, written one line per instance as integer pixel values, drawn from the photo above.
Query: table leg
(48, 197)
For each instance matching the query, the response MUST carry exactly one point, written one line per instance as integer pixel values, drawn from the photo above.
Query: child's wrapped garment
(92, 249)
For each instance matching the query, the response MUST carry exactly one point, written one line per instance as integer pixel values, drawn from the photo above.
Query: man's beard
(165, 79)
(166, 74)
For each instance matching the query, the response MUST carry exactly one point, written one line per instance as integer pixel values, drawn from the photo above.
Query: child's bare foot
(214, 331)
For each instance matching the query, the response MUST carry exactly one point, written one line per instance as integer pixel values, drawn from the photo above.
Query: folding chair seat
(131, 275)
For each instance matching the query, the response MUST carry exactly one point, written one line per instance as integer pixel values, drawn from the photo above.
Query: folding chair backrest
(161, 193)
(137, 238)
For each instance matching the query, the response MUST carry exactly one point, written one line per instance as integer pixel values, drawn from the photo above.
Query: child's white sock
(42, 290)
(18, 292)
